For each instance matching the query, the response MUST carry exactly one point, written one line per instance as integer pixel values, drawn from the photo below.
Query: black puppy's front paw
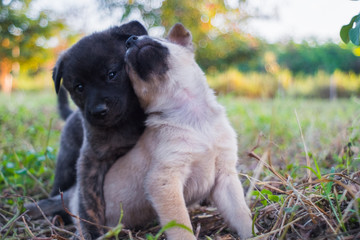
(32, 211)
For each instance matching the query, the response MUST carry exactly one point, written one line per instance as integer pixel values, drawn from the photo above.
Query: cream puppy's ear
(180, 35)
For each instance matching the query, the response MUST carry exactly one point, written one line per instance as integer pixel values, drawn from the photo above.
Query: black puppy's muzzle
(131, 42)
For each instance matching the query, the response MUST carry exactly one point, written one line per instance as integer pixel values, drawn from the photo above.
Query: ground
(298, 161)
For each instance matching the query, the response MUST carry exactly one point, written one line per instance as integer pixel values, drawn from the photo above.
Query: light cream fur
(188, 152)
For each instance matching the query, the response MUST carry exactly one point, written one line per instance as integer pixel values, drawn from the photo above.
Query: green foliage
(350, 32)
(266, 197)
(27, 170)
(28, 141)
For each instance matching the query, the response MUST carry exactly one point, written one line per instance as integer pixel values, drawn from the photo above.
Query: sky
(298, 20)
(303, 19)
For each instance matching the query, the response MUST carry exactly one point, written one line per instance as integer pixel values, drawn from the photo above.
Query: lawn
(274, 136)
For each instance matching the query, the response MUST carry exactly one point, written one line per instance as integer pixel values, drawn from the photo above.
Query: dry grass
(326, 207)
(321, 207)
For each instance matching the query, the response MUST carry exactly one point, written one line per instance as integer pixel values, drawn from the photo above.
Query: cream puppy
(188, 151)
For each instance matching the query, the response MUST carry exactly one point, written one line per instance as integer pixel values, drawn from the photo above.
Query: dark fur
(63, 104)
(93, 72)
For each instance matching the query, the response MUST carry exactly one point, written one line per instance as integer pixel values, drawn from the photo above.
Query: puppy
(106, 125)
(188, 150)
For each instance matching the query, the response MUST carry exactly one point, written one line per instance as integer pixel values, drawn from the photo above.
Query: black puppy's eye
(79, 88)
(112, 75)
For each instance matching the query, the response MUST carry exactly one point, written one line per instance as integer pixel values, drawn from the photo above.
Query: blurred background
(253, 48)
(291, 89)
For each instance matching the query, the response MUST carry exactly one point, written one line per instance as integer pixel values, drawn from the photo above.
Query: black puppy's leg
(65, 173)
(50, 206)
(69, 151)
(91, 175)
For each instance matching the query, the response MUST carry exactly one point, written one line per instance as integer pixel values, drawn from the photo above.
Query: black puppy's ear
(131, 28)
(58, 73)
(180, 35)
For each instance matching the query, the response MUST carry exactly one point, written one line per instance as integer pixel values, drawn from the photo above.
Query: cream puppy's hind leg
(228, 195)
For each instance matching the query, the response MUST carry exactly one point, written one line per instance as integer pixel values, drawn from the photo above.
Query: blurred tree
(24, 35)
(149, 10)
(305, 58)
(215, 26)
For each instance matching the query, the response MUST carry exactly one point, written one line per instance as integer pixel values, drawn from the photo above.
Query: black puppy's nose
(99, 110)
(131, 41)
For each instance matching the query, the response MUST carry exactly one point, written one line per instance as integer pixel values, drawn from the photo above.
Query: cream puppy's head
(163, 69)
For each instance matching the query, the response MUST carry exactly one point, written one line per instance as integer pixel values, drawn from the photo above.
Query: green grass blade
(169, 225)
(317, 167)
(313, 171)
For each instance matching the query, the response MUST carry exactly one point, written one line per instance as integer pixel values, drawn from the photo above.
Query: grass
(299, 163)
(327, 125)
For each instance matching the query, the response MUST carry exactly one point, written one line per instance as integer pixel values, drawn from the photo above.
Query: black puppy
(106, 126)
